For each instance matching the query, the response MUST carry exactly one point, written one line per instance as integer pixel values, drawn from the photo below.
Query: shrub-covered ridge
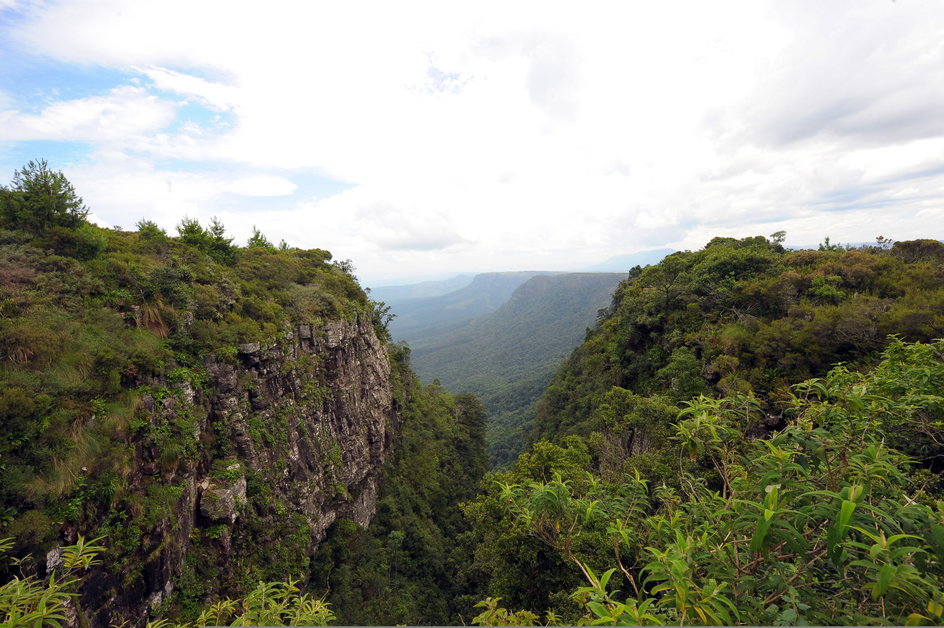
(678, 461)
(745, 316)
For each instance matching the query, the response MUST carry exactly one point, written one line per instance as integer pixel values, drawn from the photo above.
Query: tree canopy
(39, 198)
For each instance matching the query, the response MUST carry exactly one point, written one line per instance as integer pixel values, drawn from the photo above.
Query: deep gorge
(235, 430)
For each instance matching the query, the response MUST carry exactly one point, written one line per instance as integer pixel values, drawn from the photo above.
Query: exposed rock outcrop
(296, 430)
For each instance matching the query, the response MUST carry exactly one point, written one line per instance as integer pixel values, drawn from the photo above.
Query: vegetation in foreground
(27, 601)
(824, 522)
(677, 449)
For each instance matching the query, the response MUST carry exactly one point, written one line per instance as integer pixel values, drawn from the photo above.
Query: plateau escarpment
(283, 439)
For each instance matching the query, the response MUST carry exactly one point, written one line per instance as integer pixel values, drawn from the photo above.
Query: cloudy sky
(422, 139)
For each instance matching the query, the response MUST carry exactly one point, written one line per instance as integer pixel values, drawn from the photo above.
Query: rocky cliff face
(251, 462)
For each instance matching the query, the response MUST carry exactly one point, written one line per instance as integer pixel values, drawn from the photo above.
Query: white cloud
(262, 186)
(216, 96)
(491, 135)
(120, 115)
(121, 190)
(93, 218)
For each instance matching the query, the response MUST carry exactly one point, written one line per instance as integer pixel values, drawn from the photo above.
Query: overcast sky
(419, 139)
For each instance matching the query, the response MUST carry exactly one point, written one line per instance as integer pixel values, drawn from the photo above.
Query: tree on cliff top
(40, 198)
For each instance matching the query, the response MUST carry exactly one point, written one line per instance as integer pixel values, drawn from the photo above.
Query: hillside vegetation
(91, 316)
(701, 461)
(821, 523)
(747, 316)
(115, 350)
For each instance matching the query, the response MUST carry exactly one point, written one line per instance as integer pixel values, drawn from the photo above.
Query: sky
(423, 139)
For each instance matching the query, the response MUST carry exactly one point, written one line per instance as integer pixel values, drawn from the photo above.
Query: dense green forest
(823, 522)
(750, 435)
(748, 316)
(403, 568)
(508, 356)
(686, 459)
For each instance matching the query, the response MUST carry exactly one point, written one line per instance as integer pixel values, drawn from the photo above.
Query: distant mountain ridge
(421, 290)
(508, 356)
(417, 317)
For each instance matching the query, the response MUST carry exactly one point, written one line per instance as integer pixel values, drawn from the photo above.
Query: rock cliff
(251, 460)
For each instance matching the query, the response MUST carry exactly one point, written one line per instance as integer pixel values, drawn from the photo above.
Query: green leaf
(935, 608)
(838, 530)
(898, 552)
(605, 578)
(757, 542)
(845, 514)
(885, 575)
(598, 609)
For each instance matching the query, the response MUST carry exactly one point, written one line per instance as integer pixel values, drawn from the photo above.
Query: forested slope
(686, 459)
(748, 316)
(416, 318)
(506, 358)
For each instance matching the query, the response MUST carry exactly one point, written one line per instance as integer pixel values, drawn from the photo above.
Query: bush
(28, 343)
(83, 243)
